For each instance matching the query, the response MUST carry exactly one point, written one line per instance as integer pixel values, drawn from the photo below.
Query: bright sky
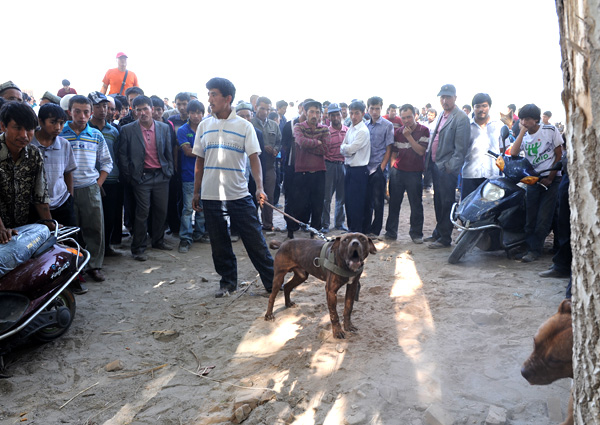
(328, 50)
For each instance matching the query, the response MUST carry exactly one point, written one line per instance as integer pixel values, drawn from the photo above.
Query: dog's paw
(338, 333)
(348, 326)
(290, 304)
(269, 317)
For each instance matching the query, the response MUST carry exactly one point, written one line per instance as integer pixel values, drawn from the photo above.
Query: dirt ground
(435, 342)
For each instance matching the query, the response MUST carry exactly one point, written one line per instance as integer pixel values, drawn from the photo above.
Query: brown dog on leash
(338, 263)
(552, 356)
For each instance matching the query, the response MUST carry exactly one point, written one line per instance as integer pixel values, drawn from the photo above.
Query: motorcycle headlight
(12, 307)
(491, 192)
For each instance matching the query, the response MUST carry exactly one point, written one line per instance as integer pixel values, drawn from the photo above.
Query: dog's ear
(565, 306)
(336, 243)
(372, 249)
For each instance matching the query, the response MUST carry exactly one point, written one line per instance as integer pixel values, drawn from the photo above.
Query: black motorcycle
(493, 216)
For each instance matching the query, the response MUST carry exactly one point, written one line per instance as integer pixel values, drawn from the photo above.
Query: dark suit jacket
(453, 143)
(132, 150)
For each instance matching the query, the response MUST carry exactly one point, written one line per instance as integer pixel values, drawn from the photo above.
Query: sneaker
(205, 238)
(418, 241)
(552, 272)
(235, 238)
(324, 230)
(430, 239)
(437, 245)
(184, 247)
(530, 257)
(140, 257)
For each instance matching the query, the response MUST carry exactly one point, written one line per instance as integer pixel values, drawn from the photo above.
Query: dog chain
(301, 224)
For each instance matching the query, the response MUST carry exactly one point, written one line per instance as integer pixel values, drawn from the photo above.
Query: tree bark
(580, 48)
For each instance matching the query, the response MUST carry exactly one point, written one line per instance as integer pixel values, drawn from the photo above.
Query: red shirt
(397, 121)
(333, 148)
(408, 159)
(151, 160)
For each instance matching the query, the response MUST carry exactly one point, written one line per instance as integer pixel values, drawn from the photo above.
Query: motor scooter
(35, 300)
(492, 217)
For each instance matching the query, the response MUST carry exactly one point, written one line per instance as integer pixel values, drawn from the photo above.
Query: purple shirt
(382, 135)
(436, 139)
(333, 148)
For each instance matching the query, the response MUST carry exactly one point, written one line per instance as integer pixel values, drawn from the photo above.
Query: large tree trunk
(580, 45)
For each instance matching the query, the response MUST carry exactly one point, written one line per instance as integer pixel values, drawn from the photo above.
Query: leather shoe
(97, 275)
(552, 272)
(140, 257)
(417, 241)
(162, 246)
(530, 257)
(77, 288)
(437, 245)
(430, 239)
(111, 252)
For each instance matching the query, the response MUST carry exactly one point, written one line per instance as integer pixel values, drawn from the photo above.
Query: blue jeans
(373, 218)
(540, 204)
(244, 218)
(189, 232)
(410, 182)
(334, 182)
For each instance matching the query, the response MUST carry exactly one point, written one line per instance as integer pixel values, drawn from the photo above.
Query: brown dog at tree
(552, 356)
(338, 263)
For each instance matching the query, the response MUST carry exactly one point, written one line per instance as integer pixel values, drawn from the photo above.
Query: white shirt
(478, 164)
(539, 147)
(225, 144)
(356, 146)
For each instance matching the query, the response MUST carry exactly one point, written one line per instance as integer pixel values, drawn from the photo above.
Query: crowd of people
(117, 161)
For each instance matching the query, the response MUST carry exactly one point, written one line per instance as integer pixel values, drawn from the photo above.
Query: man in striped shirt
(89, 148)
(223, 141)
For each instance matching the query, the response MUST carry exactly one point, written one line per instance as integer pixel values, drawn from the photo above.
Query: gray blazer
(453, 143)
(132, 150)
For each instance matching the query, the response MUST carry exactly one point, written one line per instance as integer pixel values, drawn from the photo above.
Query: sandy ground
(434, 338)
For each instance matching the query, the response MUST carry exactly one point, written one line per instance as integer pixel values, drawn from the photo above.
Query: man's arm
(547, 181)
(361, 140)
(104, 89)
(102, 178)
(462, 138)
(122, 154)
(198, 175)
(515, 149)
(43, 211)
(68, 176)
(6, 234)
(386, 157)
(261, 196)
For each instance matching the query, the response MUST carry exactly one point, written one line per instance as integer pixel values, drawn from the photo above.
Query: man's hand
(546, 181)
(196, 203)
(270, 150)
(7, 234)
(522, 128)
(407, 130)
(261, 197)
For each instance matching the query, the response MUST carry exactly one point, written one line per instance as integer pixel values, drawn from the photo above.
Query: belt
(151, 170)
(335, 162)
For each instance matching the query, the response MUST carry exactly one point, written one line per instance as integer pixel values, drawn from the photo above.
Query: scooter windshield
(517, 168)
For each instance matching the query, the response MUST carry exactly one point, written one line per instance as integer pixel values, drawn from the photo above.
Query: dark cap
(447, 90)
(51, 97)
(96, 97)
(333, 107)
(242, 106)
(8, 85)
(310, 103)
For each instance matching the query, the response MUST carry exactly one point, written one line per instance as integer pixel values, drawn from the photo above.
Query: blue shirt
(382, 135)
(89, 148)
(185, 135)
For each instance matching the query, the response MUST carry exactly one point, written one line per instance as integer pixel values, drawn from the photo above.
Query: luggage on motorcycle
(22, 246)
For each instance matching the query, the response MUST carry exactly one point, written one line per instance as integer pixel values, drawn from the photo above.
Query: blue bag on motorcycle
(22, 246)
